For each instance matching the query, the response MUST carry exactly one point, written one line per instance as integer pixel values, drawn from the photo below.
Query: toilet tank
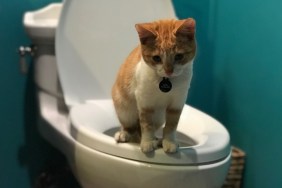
(94, 37)
(40, 25)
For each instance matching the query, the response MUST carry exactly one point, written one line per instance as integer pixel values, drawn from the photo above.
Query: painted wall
(22, 152)
(238, 78)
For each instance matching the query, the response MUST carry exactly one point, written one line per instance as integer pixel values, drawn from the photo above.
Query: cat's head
(168, 46)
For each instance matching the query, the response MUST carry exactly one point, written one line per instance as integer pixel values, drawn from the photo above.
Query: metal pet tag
(165, 85)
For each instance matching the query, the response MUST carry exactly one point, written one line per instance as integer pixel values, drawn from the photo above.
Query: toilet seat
(202, 139)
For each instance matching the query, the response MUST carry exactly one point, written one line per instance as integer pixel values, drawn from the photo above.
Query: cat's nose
(168, 72)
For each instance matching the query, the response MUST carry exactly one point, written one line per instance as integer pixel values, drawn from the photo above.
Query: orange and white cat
(165, 56)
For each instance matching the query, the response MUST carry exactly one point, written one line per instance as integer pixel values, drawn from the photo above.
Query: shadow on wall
(200, 93)
(47, 167)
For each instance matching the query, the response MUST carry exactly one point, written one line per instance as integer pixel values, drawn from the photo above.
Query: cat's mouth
(170, 74)
(176, 71)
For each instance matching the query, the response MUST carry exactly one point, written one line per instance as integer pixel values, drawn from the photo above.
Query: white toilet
(92, 39)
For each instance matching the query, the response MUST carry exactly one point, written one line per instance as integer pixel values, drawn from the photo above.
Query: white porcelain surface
(202, 139)
(91, 42)
(97, 169)
(41, 24)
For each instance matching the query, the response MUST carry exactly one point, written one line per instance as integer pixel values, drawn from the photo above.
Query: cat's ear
(145, 32)
(186, 27)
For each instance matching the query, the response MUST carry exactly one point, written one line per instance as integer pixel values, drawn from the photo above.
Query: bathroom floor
(56, 177)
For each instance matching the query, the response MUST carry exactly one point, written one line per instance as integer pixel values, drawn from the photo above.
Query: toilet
(79, 48)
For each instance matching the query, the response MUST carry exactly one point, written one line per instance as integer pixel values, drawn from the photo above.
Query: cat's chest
(148, 94)
(154, 86)
(147, 89)
(146, 79)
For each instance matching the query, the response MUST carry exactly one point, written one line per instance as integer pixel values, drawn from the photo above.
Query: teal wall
(238, 78)
(23, 153)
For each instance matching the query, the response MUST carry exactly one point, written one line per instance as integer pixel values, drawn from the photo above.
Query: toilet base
(122, 173)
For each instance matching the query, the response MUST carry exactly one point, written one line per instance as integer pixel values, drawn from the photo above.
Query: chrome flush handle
(23, 51)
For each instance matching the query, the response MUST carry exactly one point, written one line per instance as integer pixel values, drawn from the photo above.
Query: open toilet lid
(93, 39)
(202, 139)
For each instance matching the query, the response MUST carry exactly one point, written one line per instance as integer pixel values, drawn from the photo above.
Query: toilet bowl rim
(210, 146)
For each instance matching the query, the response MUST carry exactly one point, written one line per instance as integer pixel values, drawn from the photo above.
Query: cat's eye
(178, 57)
(157, 58)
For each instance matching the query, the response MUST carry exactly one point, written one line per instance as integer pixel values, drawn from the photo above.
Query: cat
(152, 84)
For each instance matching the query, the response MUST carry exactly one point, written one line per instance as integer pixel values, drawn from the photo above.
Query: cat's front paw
(170, 146)
(149, 146)
(122, 136)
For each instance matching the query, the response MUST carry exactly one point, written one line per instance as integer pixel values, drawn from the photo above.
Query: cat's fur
(167, 49)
